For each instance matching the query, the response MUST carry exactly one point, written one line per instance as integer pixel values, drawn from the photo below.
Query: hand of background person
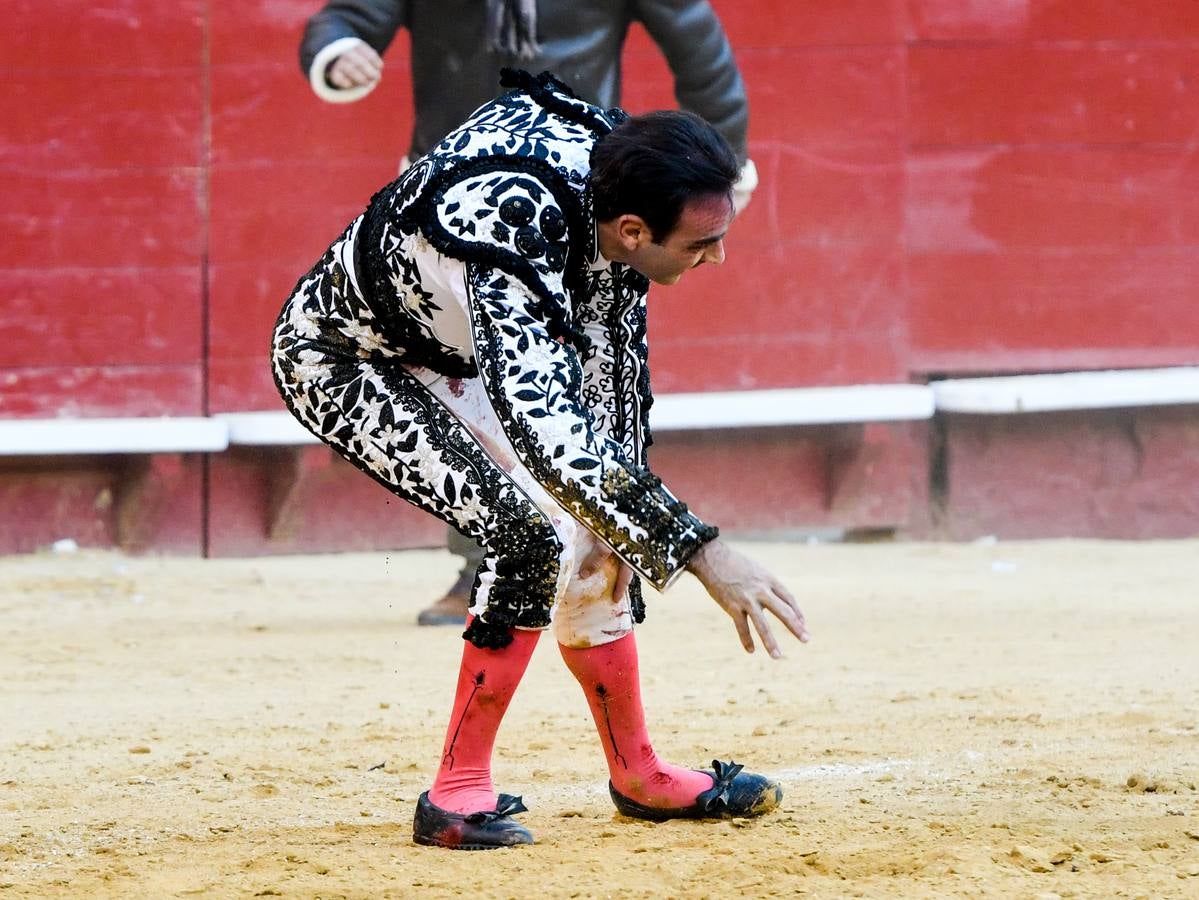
(744, 186)
(357, 67)
(746, 591)
(741, 200)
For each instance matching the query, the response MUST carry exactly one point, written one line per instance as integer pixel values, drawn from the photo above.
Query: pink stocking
(610, 679)
(487, 680)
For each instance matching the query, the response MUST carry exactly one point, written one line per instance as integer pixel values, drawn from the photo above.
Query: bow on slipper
(717, 796)
(506, 805)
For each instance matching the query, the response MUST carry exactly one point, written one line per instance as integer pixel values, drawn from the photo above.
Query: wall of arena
(947, 189)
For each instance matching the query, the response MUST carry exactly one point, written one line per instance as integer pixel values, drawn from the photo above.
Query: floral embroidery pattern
(387, 424)
(535, 384)
(558, 342)
(616, 387)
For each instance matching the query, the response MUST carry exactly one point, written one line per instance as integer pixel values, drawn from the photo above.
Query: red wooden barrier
(946, 187)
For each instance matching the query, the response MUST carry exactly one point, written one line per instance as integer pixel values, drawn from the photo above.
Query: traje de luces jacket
(558, 334)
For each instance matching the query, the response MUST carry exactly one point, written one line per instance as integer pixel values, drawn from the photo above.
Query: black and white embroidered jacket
(557, 333)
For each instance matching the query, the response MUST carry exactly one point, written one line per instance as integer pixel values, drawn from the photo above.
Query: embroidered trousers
(437, 443)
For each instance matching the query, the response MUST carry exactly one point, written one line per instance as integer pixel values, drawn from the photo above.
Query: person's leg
(595, 637)
(525, 568)
(451, 608)
(610, 677)
(387, 422)
(462, 810)
(487, 679)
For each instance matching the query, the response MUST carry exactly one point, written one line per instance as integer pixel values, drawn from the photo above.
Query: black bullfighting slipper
(733, 795)
(435, 827)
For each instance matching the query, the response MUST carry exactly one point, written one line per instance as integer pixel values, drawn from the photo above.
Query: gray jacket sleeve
(707, 81)
(374, 21)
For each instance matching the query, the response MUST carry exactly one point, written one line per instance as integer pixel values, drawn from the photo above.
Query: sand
(1006, 720)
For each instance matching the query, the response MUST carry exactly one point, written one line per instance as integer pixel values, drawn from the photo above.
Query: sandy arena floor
(1013, 720)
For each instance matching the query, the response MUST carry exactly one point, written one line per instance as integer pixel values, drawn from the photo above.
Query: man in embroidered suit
(475, 341)
(459, 46)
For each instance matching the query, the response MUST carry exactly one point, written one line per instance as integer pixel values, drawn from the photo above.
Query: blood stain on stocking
(602, 693)
(448, 758)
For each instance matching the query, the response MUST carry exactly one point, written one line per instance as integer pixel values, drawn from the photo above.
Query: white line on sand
(843, 770)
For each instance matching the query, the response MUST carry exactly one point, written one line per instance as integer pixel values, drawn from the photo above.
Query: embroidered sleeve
(616, 360)
(616, 388)
(535, 385)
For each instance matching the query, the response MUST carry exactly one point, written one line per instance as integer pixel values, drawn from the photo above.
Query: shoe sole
(430, 842)
(769, 799)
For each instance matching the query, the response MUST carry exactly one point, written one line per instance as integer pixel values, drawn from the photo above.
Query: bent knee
(588, 614)
(596, 588)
